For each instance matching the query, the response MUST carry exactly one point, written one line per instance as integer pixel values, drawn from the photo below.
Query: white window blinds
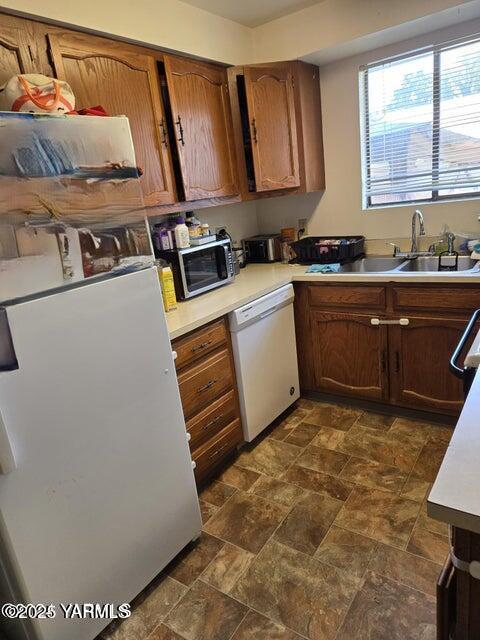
(421, 126)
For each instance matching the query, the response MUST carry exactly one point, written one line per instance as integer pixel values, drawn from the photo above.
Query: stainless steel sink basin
(430, 263)
(371, 265)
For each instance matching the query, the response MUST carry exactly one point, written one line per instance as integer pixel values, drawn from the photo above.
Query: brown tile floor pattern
(318, 531)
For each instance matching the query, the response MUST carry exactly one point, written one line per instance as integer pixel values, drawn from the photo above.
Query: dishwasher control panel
(261, 307)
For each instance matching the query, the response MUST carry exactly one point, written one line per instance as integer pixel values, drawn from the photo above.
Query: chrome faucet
(414, 252)
(417, 214)
(450, 240)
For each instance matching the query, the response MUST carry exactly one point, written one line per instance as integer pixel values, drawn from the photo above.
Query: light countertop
(455, 496)
(258, 279)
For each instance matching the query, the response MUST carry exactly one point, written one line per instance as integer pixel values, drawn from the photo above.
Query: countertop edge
(454, 517)
(218, 313)
(293, 273)
(454, 497)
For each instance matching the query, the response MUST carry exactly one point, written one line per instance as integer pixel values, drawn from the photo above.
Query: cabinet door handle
(217, 452)
(212, 422)
(209, 384)
(384, 361)
(378, 321)
(397, 362)
(254, 130)
(180, 131)
(164, 133)
(201, 346)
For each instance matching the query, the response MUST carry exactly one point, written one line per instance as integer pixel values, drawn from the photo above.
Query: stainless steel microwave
(200, 269)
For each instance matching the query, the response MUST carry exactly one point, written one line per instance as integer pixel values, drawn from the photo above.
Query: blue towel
(324, 268)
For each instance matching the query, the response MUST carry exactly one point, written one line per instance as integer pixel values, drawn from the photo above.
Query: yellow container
(168, 288)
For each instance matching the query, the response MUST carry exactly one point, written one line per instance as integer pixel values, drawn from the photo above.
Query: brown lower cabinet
(388, 343)
(349, 354)
(208, 389)
(458, 592)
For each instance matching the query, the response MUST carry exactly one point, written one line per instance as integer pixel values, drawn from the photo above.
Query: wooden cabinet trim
(308, 110)
(343, 295)
(436, 298)
(13, 40)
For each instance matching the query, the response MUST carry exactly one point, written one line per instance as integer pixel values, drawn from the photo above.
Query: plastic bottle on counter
(193, 225)
(167, 285)
(182, 237)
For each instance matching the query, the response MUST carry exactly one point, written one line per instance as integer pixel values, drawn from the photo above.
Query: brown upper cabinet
(201, 134)
(124, 82)
(273, 134)
(14, 53)
(202, 127)
(278, 128)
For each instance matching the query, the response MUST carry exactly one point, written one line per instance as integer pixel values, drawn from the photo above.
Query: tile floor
(317, 532)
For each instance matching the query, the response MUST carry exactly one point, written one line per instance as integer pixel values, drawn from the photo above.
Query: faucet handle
(396, 248)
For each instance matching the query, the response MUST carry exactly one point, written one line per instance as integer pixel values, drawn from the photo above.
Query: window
(421, 126)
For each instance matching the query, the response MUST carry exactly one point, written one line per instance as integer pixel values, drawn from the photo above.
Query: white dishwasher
(265, 352)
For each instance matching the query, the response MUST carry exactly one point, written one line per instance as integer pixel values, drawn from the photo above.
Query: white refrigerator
(97, 491)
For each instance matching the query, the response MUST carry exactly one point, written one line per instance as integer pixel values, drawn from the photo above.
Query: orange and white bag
(36, 93)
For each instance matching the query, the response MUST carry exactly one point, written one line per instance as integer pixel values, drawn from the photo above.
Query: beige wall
(339, 209)
(331, 23)
(169, 24)
(240, 219)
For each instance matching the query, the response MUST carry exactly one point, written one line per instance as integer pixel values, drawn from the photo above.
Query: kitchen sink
(371, 265)
(430, 263)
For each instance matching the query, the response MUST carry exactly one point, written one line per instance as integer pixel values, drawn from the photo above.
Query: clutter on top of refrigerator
(76, 170)
(71, 204)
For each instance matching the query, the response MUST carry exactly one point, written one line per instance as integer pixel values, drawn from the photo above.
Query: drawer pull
(217, 452)
(201, 346)
(404, 322)
(212, 422)
(209, 384)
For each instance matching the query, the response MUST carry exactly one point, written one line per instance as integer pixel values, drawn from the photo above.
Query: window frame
(364, 111)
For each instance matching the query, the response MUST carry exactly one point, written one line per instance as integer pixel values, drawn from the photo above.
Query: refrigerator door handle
(7, 457)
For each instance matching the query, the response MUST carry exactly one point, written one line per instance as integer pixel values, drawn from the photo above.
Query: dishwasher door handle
(268, 313)
(454, 368)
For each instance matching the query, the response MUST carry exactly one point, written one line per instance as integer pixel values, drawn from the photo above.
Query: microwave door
(222, 261)
(200, 270)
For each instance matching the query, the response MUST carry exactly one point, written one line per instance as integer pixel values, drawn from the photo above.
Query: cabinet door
(273, 132)
(201, 112)
(124, 82)
(419, 358)
(350, 355)
(15, 55)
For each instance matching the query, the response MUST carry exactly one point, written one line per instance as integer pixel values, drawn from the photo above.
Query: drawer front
(213, 452)
(205, 382)
(212, 420)
(347, 296)
(199, 343)
(449, 299)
